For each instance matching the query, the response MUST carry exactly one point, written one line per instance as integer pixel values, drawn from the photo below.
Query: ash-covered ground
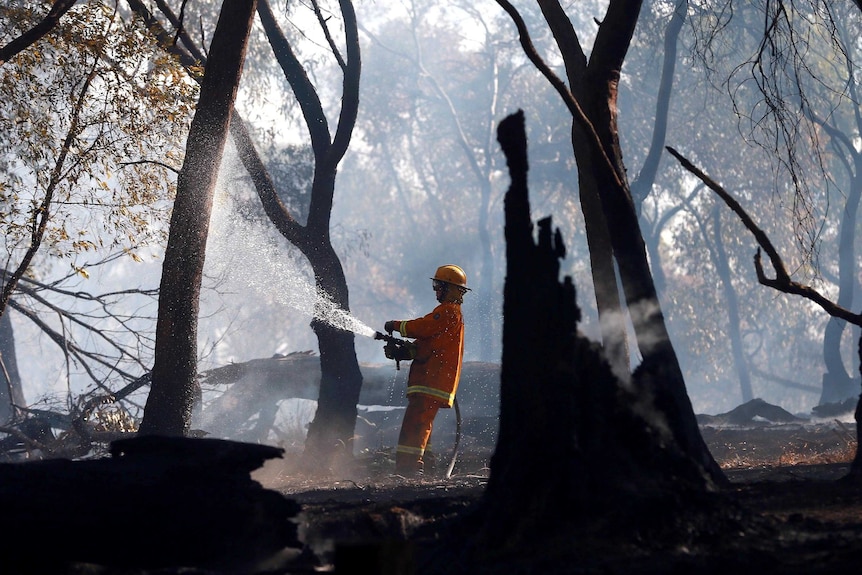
(788, 510)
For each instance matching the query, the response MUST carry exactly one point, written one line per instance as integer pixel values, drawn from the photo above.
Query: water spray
(258, 274)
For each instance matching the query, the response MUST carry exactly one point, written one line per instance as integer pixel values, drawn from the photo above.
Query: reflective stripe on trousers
(415, 431)
(445, 396)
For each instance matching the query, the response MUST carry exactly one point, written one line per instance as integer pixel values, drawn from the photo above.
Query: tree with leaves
(91, 119)
(33, 34)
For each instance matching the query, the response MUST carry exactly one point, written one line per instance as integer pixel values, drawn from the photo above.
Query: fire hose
(403, 350)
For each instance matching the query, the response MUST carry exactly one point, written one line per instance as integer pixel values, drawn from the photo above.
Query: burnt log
(157, 502)
(748, 414)
(253, 389)
(297, 375)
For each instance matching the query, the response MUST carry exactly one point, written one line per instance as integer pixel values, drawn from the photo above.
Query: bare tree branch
(155, 162)
(329, 40)
(642, 185)
(22, 437)
(782, 281)
(188, 58)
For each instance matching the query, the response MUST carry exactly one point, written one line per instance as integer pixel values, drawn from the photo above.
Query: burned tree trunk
(171, 399)
(575, 443)
(600, 161)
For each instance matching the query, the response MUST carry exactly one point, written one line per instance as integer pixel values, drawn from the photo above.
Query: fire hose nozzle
(397, 349)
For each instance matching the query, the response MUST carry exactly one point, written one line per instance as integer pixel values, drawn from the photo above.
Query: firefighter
(436, 367)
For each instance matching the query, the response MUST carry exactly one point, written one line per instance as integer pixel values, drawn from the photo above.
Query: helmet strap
(452, 294)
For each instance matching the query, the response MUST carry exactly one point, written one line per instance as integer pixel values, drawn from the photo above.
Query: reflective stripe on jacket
(439, 336)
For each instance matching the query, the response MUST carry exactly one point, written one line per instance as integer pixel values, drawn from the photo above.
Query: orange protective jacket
(439, 336)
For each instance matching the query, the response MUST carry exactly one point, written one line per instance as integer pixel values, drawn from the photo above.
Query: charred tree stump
(575, 443)
(158, 502)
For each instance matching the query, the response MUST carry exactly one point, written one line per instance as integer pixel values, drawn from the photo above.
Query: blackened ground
(785, 512)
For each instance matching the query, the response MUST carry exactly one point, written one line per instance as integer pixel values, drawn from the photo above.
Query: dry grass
(736, 448)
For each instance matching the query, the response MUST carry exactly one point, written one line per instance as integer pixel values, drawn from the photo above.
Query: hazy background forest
(422, 185)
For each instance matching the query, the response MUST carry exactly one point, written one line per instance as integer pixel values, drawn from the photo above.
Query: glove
(389, 326)
(400, 351)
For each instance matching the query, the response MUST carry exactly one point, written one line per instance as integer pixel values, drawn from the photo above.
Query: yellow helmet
(451, 274)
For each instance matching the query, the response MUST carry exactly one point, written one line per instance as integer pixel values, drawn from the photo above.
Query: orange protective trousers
(415, 432)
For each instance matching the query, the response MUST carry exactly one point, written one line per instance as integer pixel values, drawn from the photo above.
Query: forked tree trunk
(574, 441)
(595, 82)
(330, 433)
